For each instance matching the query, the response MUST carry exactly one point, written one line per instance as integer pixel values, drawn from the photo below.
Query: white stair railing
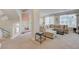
(4, 33)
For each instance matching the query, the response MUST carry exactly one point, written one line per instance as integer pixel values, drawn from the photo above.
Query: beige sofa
(49, 35)
(63, 28)
(46, 34)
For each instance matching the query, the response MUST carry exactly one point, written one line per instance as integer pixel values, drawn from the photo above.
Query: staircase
(4, 33)
(4, 36)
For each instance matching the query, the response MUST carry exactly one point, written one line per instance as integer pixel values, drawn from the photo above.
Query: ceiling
(12, 15)
(46, 12)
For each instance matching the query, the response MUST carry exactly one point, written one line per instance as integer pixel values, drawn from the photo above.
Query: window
(69, 20)
(17, 28)
(41, 21)
(49, 20)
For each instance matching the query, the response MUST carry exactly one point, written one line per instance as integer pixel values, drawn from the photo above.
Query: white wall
(77, 20)
(57, 20)
(1, 34)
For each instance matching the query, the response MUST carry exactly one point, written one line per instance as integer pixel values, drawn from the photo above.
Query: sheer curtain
(69, 20)
(49, 20)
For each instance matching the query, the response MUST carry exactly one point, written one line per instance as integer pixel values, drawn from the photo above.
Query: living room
(61, 26)
(60, 23)
(45, 28)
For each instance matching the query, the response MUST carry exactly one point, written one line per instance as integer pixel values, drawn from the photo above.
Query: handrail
(4, 30)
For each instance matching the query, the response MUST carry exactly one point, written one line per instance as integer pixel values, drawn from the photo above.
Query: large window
(17, 28)
(41, 21)
(69, 20)
(49, 20)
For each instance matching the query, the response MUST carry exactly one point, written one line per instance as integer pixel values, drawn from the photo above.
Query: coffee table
(39, 38)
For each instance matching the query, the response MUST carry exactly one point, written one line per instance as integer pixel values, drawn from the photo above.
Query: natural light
(69, 20)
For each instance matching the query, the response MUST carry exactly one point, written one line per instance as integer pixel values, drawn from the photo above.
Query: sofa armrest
(48, 35)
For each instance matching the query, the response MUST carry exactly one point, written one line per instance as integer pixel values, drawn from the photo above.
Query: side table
(40, 34)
